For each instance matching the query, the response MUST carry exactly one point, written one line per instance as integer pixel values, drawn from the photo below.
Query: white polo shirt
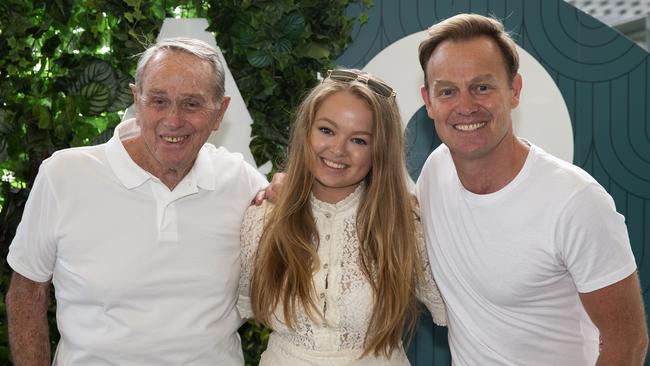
(142, 275)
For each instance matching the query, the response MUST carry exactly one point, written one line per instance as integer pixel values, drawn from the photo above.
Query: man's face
(176, 111)
(470, 97)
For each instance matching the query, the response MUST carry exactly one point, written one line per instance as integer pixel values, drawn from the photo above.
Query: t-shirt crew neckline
(491, 198)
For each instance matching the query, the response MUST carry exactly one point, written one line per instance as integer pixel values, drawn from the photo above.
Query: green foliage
(65, 66)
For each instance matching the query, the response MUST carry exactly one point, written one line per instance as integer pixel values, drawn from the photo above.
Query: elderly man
(530, 255)
(139, 236)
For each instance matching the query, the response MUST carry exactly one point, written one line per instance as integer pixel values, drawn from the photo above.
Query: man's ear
(427, 101)
(225, 102)
(517, 83)
(134, 91)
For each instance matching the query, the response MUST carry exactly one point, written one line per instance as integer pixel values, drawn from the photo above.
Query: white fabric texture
(142, 275)
(510, 264)
(346, 301)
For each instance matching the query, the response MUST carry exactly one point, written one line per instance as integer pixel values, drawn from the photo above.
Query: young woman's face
(341, 141)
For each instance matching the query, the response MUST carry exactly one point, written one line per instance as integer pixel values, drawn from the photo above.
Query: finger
(259, 197)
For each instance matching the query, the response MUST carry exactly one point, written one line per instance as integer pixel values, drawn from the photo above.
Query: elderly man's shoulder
(72, 158)
(221, 153)
(229, 167)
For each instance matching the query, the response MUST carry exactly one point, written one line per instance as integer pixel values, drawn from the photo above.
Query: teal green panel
(421, 139)
(626, 121)
(429, 345)
(625, 167)
(638, 106)
(583, 123)
(554, 43)
(635, 217)
(644, 262)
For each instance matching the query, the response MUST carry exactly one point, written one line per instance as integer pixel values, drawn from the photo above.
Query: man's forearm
(27, 320)
(629, 352)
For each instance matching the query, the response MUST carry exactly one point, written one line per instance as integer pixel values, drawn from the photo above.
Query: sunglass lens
(380, 88)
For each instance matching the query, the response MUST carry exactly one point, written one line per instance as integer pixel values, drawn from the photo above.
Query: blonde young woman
(335, 268)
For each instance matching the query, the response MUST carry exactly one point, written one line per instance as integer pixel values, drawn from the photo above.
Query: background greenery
(65, 66)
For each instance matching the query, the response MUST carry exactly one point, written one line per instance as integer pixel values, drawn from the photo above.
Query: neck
(169, 177)
(491, 173)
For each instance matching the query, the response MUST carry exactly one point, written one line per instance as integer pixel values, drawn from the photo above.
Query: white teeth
(173, 139)
(469, 127)
(332, 164)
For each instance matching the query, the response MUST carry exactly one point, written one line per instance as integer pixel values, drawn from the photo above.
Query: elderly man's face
(176, 111)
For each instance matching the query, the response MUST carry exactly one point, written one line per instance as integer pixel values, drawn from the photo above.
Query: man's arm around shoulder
(29, 339)
(617, 311)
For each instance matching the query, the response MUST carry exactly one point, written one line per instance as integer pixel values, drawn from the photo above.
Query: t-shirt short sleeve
(33, 250)
(594, 240)
(256, 180)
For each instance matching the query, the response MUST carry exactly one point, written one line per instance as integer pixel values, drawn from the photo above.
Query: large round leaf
(259, 58)
(97, 96)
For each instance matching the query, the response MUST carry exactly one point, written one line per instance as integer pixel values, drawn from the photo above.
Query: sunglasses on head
(378, 87)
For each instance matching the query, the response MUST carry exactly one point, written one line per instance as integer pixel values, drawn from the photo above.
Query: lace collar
(348, 203)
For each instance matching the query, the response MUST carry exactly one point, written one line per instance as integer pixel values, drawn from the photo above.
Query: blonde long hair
(287, 254)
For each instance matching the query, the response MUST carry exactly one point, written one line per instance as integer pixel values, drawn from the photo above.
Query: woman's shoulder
(256, 213)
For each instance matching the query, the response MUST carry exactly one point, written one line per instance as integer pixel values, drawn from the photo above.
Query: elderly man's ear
(225, 102)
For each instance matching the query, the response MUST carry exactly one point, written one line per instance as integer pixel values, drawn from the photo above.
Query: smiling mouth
(469, 127)
(333, 164)
(174, 139)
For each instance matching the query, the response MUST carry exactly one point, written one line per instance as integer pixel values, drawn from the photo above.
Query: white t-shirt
(510, 264)
(142, 275)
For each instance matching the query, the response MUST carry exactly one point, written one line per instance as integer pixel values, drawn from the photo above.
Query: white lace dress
(343, 293)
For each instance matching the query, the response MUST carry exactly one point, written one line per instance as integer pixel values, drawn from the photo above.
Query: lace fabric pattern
(342, 291)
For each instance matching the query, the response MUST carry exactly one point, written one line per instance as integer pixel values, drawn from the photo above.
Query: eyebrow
(164, 93)
(325, 119)
(480, 78)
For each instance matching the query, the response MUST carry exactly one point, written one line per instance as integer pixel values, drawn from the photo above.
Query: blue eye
(325, 130)
(359, 141)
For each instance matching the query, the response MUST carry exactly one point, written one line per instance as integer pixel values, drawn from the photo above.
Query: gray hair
(191, 46)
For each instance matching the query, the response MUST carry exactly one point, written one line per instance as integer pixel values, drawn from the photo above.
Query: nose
(338, 146)
(466, 104)
(174, 115)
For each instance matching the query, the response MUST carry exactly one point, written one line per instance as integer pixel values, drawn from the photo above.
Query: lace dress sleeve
(251, 231)
(427, 290)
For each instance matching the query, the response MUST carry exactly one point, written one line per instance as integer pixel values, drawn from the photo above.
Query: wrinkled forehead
(176, 71)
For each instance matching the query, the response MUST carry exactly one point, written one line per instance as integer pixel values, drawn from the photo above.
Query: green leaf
(122, 97)
(97, 95)
(312, 50)
(59, 10)
(294, 24)
(50, 46)
(259, 59)
(97, 71)
(283, 45)
(42, 113)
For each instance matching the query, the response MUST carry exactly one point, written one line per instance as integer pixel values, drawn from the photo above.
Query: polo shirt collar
(203, 174)
(131, 175)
